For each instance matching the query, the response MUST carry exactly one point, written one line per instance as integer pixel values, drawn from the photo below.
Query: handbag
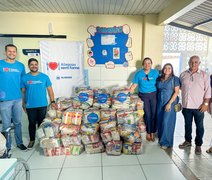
(178, 106)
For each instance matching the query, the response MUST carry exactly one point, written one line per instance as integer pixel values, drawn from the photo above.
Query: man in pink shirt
(196, 93)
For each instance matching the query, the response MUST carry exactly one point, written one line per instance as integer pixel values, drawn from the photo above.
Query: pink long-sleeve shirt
(195, 88)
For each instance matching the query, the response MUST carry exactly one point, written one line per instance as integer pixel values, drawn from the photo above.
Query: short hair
(192, 57)
(10, 45)
(146, 58)
(32, 59)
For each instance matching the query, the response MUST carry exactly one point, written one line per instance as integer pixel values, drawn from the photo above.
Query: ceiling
(195, 15)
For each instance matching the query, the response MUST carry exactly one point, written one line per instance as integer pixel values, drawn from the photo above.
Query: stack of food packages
(109, 133)
(70, 131)
(89, 130)
(128, 121)
(102, 98)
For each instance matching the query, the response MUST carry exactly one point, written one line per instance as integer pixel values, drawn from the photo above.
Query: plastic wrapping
(127, 117)
(135, 102)
(106, 126)
(91, 116)
(94, 148)
(110, 135)
(102, 98)
(89, 128)
(50, 142)
(114, 148)
(135, 148)
(71, 140)
(73, 150)
(72, 116)
(121, 98)
(107, 115)
(69, 129)
(64, 103)
(50, 130)
(89, 139)
(133, 137)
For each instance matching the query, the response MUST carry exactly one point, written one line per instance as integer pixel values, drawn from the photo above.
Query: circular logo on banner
(92, 118)
(83, 97)
(102, 98)
(121, 97)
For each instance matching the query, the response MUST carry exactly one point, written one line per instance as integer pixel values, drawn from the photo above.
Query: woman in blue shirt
(145, 79)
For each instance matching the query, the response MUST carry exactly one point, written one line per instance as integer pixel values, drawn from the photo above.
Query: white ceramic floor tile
(39, 161)
(44, 174)
(88, 173)
(123, 173)
(119, 160)
(83, 160)
(17, 153)
(162, 172)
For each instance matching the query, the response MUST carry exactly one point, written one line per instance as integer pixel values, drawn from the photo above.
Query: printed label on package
(83, 97)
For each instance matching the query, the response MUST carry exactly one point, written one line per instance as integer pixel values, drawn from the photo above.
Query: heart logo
(53, 65)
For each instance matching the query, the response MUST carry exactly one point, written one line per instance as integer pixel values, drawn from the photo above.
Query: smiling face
(11, 53)
(147, 64)
(168, 70)
(194, 63)
(33, 66)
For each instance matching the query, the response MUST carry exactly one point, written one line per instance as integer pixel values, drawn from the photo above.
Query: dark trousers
(35, 115)
(150, 102)
(189, 114)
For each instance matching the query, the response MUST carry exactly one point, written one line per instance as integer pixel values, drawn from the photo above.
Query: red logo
(53, 65)
(30, 82)
(6, 69)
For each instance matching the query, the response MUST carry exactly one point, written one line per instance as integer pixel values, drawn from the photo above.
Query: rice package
(121, 98)
(114, 148)
(91, 116)
(94, 148)
(72, 116)
(107, 114)
(102, 98)
(135, 148)
(91, 138)
(89, 128)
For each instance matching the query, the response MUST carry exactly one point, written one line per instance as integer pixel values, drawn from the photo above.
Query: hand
(203, 108)
(168, 107)
(24, 108)
(54, 106)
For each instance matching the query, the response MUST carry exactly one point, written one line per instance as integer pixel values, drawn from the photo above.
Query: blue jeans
(150, 102)
(12, 110)
(189, 114)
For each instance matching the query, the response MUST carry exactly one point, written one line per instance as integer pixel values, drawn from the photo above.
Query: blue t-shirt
(146, 83)
(35, 89)
(10, 80)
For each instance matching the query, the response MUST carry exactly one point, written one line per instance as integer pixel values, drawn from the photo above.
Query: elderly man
(196, 93)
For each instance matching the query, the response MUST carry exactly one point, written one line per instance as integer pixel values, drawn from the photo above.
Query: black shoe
(31, 144)
(22, 147)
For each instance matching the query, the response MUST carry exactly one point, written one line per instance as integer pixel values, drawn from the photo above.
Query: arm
(23, 99)
(132, 88)
(174, 96)
(51, 97)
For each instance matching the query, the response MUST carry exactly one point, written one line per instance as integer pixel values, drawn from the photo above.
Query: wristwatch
(52, 101)
(206, 104)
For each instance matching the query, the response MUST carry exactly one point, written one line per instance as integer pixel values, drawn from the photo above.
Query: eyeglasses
(147, 77)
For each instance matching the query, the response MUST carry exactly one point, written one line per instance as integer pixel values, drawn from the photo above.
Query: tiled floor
(153, 164)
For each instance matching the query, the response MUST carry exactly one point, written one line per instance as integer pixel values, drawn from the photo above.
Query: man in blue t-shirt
(34, 85)
(11, 72)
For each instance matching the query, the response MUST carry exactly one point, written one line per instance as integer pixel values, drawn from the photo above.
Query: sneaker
(31, 144)
(22, 147)
(164, 147)
(184, 145)
(198, 150)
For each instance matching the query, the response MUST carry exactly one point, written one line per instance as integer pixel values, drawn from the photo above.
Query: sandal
(209, 151)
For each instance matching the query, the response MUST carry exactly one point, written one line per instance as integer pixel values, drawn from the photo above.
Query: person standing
(34, 86)
(11, 72)
(145, 79)
(196, 94)
(167, 91)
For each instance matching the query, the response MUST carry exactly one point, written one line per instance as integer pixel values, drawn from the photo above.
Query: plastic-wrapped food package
(105, 126)
(52, 113)
(73, 150)
(69, 129)
(107, 114)
(71, 140)
(102, 98)
(49, 151)
(114, 148)
(135, 148)
(58, 151)
(94, 148)
(121, 98)
(50, 142)
(142, 127)
(49, 128)
(40, 133)
(64, 103)
(89, 139)
(72, 116)
(83, 99)
(89, 128)
(133, 137)
(127, 117)
(135, 102)
(110, 135)
(91, 116)
(126, 129)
